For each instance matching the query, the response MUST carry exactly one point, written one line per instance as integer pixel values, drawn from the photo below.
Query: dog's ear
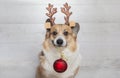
(75, 27)
(48, 24)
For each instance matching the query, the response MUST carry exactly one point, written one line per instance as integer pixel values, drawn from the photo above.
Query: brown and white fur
(50, 52)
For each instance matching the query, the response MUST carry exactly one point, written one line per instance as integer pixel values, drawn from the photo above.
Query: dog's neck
(56, 51)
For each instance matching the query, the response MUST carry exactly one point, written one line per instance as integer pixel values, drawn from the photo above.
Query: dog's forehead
(60, 27)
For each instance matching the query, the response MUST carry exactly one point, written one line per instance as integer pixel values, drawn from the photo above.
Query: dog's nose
(59, 41)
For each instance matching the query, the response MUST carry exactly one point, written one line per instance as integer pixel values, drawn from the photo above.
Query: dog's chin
(59, 46)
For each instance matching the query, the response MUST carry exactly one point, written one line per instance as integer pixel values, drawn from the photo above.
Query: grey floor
(22, 32)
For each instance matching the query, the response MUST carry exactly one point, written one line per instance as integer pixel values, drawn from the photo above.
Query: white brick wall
(22, 32)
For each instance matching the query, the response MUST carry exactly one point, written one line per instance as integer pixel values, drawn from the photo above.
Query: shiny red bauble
(60, 66)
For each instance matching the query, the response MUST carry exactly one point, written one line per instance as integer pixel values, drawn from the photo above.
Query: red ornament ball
(60, 66)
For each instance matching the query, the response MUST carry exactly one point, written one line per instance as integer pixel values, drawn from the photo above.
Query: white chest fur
(73, 61)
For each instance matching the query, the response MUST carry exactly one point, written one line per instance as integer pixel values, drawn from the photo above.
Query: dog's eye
(54, 33)
(65, 33)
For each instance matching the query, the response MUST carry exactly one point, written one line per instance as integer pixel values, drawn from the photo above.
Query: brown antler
(65, 10)
(51, 11)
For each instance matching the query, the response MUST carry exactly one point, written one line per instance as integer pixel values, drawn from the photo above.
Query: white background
(22, 32)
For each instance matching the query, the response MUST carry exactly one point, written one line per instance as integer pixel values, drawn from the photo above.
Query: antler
(51, 11)
(65, 10)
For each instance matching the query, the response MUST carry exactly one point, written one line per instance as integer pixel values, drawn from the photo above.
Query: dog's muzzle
(59, 41)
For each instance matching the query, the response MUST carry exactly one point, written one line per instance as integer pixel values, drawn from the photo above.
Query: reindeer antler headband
(51, 11)
(64, 10)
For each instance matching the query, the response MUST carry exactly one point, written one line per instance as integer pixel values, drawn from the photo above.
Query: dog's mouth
(53, 43)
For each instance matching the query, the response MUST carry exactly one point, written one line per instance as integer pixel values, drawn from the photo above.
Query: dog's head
(61, 35)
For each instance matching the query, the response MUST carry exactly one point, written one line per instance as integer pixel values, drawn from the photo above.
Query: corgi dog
(60, 38)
